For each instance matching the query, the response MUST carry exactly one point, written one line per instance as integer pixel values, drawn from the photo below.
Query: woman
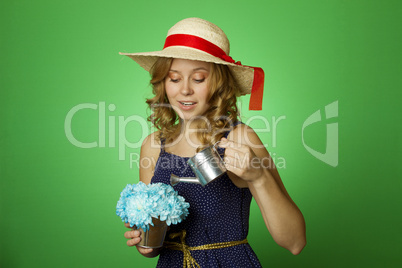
(196, 83)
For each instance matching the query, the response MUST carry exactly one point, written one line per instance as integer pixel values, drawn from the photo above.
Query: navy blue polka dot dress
(219, 212)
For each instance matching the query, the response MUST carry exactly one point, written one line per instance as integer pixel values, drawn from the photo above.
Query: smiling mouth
(187, 103)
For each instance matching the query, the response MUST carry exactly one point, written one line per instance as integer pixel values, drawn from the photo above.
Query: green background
(58, 200)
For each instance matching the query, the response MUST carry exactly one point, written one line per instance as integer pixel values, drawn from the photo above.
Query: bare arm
(149, 155)
(150, 150)
(249, 161)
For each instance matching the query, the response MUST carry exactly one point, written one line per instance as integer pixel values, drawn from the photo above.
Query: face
(187, 87)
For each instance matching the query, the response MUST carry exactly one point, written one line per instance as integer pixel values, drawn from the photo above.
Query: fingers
(144, 250)
(234, 146)
(133, 242)
(236, 151)
(241, 160)
(133, 236)
(234, 169)
(225, 143)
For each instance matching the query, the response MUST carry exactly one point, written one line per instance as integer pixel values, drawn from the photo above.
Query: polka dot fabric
(219, 212)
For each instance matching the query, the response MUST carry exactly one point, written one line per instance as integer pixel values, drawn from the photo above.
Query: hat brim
(243, 75)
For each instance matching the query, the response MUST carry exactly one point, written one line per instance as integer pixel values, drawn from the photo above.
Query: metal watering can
(207, 166)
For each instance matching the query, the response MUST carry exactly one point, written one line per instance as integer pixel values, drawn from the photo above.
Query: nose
(186, 89)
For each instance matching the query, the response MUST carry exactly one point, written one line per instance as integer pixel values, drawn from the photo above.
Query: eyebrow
(194, 70)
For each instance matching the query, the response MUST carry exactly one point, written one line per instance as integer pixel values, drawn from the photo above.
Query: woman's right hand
(134, 237)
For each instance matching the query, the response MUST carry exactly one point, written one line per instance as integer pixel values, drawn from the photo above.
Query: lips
(187, 105)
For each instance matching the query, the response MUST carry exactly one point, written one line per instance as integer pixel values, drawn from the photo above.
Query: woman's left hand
(241, 160)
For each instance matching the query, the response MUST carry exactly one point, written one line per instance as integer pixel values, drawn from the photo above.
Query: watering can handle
(214, 147)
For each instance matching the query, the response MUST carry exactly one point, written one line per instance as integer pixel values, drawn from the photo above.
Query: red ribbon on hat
(204, 45)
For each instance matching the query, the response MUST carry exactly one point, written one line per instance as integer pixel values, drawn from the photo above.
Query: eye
(199, 80)
(174, 80)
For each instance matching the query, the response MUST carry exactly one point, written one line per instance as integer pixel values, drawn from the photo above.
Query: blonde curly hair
(219, 118)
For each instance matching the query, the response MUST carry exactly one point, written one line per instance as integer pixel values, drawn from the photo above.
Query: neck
(193, 125)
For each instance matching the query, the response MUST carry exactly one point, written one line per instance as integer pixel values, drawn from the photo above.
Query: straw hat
(198, 39)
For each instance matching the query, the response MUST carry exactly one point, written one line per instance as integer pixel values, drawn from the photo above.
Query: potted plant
(151, 208)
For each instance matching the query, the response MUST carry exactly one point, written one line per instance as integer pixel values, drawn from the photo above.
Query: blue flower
(139, 203)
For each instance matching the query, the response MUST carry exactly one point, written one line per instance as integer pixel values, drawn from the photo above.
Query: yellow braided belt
(188, 260)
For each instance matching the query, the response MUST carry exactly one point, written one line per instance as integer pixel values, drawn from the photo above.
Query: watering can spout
(175, 180)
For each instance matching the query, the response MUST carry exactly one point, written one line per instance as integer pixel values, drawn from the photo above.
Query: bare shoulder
(150, 150)
(151, 144)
